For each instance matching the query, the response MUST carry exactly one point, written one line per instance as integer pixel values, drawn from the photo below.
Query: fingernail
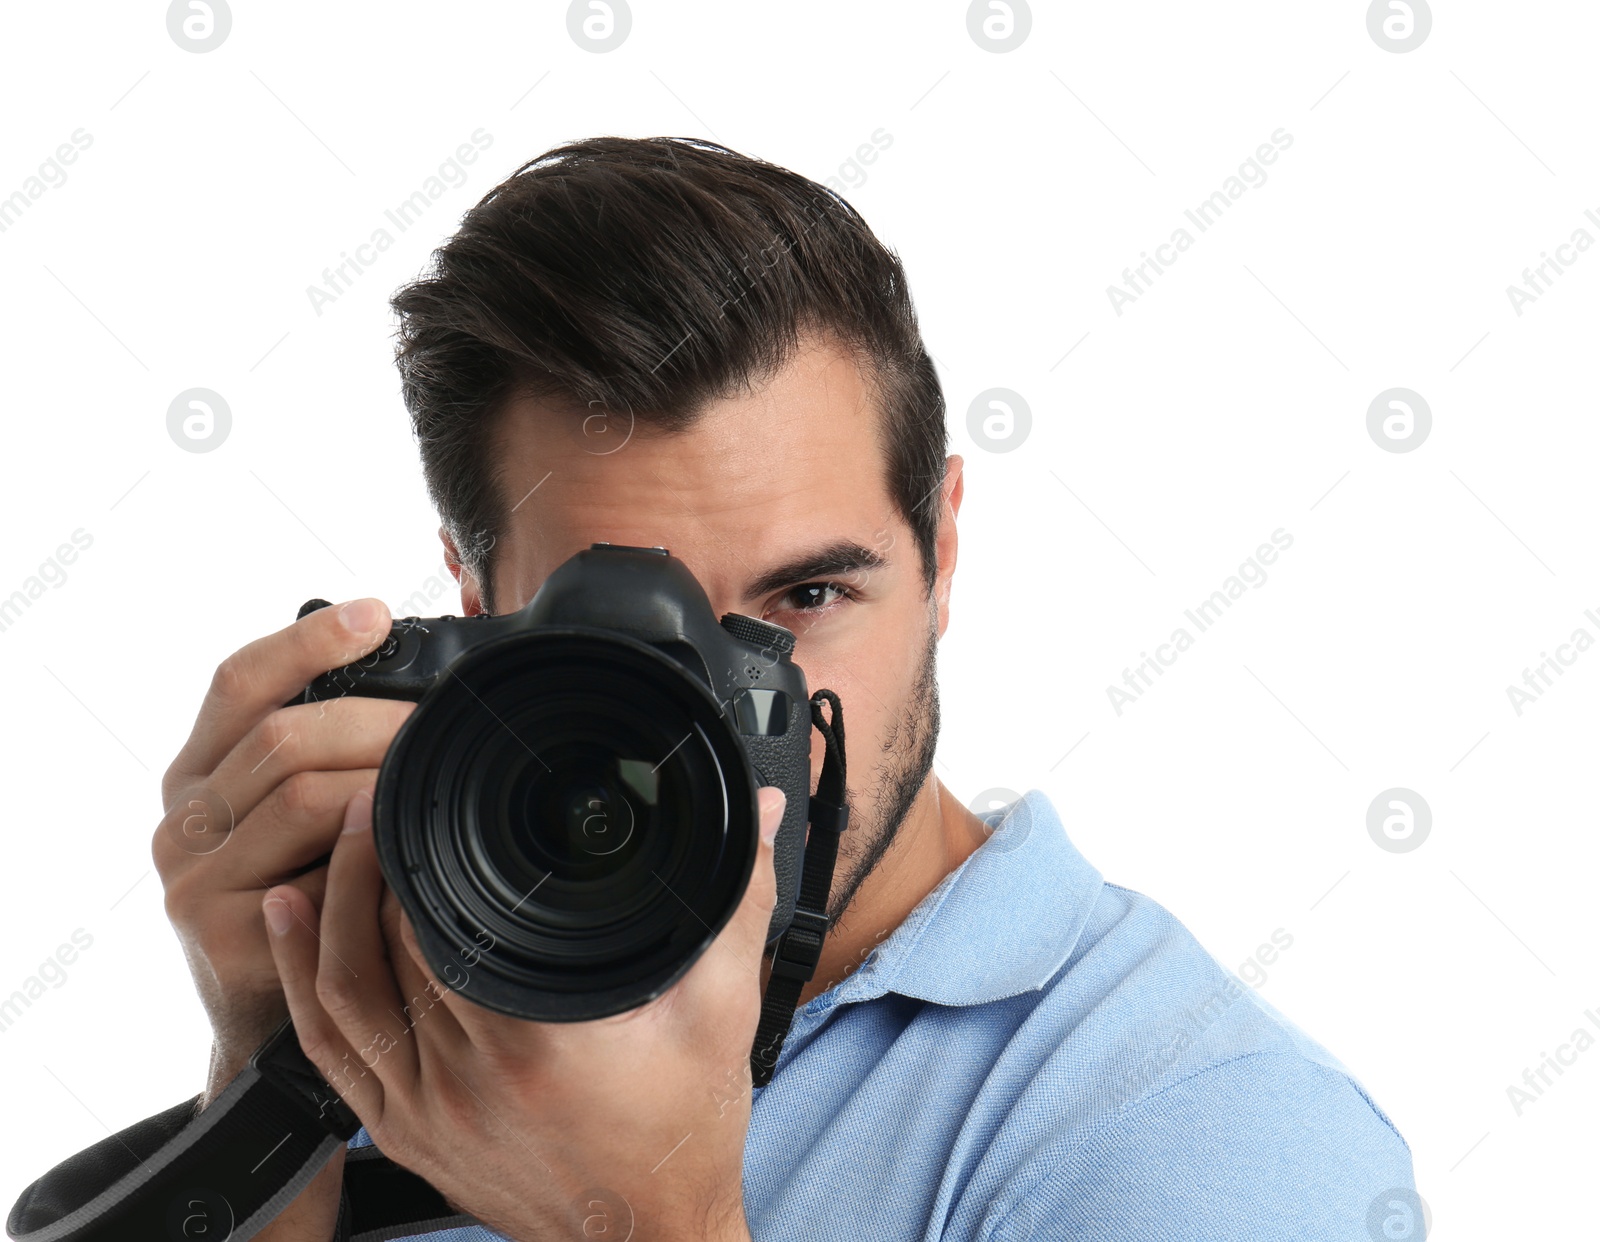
(360, 616)
(771, 818)
(279, 915)
(358, 814)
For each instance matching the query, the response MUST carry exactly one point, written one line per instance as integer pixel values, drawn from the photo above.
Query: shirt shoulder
(1269, 1146)
(1171, 1101)
(1193, 1008)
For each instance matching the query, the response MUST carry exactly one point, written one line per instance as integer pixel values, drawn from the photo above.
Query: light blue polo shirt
(1037, 1054)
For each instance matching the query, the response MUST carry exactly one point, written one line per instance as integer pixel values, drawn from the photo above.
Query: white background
(1172, 440)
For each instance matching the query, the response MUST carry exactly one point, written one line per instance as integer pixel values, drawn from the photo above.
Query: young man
(663, 342)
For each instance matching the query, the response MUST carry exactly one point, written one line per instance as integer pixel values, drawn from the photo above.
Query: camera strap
(795, 957)
(228, 1172)
(225, 1172)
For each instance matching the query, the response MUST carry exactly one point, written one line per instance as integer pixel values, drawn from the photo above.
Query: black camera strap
(228, 1171)
(795, 957)
(225, 1172)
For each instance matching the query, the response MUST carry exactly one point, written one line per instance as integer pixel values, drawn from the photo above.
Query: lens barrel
(568, 819)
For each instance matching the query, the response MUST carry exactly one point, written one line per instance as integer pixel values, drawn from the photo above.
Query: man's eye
(814, 596)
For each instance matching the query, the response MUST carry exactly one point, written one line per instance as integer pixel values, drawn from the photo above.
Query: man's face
(778, 504)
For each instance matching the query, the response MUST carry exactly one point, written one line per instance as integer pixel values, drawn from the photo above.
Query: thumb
(717, 1005)
(747, 930)
(734, 965)
(763, 891)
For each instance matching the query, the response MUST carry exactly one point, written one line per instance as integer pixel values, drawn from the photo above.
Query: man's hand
(634, 1124)
(254, 799)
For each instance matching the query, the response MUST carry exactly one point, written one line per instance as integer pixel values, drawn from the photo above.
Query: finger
(295, 826)
(340, 734)
(344, 734)
(461, 1021)
(438, 1035)
(291, 829)
(292, 932)
(754, 915)
(355, 983)
(262, 675)
(737, 949)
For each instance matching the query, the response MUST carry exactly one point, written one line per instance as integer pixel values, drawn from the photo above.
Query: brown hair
(643, 277)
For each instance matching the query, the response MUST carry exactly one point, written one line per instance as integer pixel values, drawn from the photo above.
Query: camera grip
(778, 761)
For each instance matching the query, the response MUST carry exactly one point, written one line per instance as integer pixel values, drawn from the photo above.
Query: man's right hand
(256, 798)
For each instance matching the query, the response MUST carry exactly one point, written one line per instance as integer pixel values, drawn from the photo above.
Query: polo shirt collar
(1002, 923)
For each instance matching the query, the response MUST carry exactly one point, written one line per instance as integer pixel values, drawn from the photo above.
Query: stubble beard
(902, 770)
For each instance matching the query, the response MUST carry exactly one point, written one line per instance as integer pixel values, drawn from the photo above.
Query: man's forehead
(763, 479)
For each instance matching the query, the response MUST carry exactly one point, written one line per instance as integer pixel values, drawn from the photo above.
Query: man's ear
(471, 593)
(945, 541)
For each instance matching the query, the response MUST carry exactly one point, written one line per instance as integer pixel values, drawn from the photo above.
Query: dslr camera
(569, 816)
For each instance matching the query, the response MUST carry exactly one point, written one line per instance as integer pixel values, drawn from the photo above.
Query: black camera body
(569, 816)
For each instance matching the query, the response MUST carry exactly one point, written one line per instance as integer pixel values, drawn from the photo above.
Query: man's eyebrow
(834, 561)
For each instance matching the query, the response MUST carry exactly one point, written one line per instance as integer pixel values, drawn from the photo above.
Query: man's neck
(937, 835)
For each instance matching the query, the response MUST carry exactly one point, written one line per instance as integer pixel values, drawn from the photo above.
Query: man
(663, 342)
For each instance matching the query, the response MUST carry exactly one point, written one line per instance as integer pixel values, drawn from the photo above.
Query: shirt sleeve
(1264, 1147)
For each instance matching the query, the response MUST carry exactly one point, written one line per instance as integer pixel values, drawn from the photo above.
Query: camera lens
(568, 819)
